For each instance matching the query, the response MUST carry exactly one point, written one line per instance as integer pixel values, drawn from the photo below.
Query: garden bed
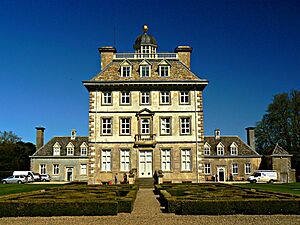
(70, 200)
(222, 199)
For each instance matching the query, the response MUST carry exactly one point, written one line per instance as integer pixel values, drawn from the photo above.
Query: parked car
(15, 179)
(29, 174)
(36, 176)
(263, 176)
(45, 177)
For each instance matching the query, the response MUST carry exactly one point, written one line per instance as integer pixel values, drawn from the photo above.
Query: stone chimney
(251, 137)
(107, 55)
(39, 137)
(217, 134)
(184, 55)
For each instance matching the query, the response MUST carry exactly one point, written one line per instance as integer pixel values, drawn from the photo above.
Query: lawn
(291, 188)
(6, 189)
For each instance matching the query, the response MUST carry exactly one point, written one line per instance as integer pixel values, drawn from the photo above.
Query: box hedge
(222, 199)
(71, 200)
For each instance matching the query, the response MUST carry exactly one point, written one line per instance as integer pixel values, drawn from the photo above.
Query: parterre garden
(222, 199)
(70, 200)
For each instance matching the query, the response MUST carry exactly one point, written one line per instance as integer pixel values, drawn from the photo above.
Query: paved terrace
(147, 210)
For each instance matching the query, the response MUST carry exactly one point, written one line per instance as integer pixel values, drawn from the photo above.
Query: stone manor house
(146, 116)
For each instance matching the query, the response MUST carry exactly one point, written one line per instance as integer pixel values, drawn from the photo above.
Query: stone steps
(144, 182)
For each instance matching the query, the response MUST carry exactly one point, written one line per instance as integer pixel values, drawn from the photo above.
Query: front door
(145, 164)
(221, 174)
(69, 174)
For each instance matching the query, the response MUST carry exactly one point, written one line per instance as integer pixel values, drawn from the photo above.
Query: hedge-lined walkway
(147, 211)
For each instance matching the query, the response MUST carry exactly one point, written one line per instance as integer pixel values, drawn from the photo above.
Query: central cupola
(145, 43)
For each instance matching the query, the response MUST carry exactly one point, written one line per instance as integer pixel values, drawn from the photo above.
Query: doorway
(69, 174)
(145, 164)
(221, 174)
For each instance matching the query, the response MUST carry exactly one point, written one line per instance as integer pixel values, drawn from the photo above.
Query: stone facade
(177, 154)
(63, 158)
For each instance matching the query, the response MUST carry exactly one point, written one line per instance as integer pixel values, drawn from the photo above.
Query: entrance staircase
(144, 182)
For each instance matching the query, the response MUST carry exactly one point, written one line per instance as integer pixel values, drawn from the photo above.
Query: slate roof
(178, 72)
(243, 148)
(278, 150)
(47, 149)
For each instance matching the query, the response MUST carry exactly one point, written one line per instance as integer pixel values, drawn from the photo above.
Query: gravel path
(147, 211)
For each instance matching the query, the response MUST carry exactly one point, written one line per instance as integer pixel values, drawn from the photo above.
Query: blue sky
(248, 50)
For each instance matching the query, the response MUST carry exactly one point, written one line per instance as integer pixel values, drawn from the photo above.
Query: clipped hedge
(222, 199)
(70, 200)
(15, 208)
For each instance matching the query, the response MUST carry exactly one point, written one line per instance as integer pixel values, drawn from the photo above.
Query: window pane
(106, 160)
(185, 125)
(165, 125)
(124, 159)
(166, 159)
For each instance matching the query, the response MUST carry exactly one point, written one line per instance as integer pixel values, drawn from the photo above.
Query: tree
(14, 154)
(281, 124)
(9, 136)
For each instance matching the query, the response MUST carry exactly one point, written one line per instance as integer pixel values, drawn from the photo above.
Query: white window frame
(234, 149)
(235, 168)
(184, 98)
(56, 151)
(125, 126)
(207, 168)
(106, 160)
(145, 71)
(165, 159)
(70, 151)
(83, 169)
(145, 98)
(206, 151)
(165, 126)
(125, 71)
(247, 168)
(107, 98)
(106, 126)
(165, 97)
(164, 71)
(145, 126)
(220, 149)
(55, 169)
(186, 160)
(185, 125)
(125, 98)
(124, 160)
(83, 151)
(43, 169)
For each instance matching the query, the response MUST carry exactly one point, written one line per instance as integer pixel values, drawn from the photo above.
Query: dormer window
(125, 71)
(233, 149)
(164, 68)
(126, 68)
(206, 149)
(70, 149)
(220, 149)
(145, 68)
(83, 149)
(145, 71)
(56, 149)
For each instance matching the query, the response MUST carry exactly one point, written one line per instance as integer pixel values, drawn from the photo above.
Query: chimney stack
(251, 137)
(107, 55)
(184, 55)
(39, 137)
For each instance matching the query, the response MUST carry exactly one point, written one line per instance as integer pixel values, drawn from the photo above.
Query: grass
(6, 189)
(291, 188)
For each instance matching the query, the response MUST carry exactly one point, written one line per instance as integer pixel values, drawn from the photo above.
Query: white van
(29, 174)
(263, 176)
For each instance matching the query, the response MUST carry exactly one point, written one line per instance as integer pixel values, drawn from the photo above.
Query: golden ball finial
(145, 28)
